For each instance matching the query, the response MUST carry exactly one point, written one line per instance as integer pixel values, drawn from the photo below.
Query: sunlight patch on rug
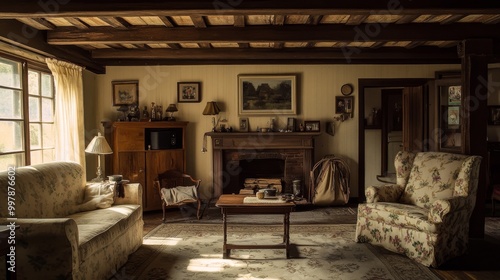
(194, 251)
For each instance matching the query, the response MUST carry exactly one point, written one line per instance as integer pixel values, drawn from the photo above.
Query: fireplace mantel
(296, 147)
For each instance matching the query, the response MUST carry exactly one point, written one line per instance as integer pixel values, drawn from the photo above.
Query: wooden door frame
(375, 83)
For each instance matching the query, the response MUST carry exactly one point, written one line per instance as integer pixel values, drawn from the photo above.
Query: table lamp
(98, 146)
(212, 109)
(171, 109)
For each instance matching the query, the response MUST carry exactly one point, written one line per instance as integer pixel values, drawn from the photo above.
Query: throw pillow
(101, 195)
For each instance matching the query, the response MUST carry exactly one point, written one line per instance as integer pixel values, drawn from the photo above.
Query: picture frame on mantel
(261, 95)
(312, 126)
(125, 93)
(188, 92)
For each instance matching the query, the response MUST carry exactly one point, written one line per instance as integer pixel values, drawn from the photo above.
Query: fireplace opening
(262, 168)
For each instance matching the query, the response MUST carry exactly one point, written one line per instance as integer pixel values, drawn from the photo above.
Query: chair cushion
(399, 215)
(432, 177)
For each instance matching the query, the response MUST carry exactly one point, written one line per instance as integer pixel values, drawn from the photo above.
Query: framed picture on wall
(125, 93)
(454, 95)
(344, 105)
(188, 92)
(267, 94)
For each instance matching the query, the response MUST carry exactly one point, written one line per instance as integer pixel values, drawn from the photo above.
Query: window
(26, 114)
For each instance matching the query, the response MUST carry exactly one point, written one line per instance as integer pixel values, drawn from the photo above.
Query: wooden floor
(483, 261)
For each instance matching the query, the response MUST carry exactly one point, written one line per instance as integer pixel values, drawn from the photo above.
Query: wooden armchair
(177, 189)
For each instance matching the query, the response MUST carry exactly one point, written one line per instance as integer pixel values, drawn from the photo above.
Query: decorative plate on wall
(346, 89)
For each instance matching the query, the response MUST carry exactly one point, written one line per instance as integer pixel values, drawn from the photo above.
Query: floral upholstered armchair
(425, 215)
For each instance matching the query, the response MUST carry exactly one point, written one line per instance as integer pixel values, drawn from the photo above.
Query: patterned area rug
(194, 251)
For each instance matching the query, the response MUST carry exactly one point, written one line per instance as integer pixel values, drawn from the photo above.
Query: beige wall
(318, 85)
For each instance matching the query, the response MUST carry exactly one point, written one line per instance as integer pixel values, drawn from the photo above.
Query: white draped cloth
(69, 120)
(178, 194)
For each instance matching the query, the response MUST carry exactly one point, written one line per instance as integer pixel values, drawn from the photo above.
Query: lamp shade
(211, 108)
(172, 108)
(99, 146)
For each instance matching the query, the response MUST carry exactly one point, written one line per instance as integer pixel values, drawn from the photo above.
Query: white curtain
(69, 123)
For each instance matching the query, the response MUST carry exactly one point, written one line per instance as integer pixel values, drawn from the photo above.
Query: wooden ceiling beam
(115, 22)
(135, 62)
(277, 54)
(77, 23)
(13, 32)
(452, 19)
(199, 21)
(239, 21)
(83, 8)
(288, 33)
(38, 23)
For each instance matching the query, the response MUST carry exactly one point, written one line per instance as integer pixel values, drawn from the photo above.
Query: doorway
(368, 134)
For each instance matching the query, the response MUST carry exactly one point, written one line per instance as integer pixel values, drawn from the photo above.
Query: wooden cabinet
(142, 150)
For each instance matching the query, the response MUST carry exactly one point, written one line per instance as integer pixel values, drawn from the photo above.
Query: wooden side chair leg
(163, 208)
(198, 210)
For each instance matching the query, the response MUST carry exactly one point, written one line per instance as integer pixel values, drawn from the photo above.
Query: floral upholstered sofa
(69, 229)
(425, 215)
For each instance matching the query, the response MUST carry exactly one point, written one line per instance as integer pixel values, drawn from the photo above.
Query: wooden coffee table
(232, 204)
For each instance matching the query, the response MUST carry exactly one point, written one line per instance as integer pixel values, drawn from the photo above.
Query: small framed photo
(291, 124)
(453, 115)
(243, 124)
(188, 92)
(344, 105)
(125, 93)
(454, 95)
(494, 115)
(312, 126)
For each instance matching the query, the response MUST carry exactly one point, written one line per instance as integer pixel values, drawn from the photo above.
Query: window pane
(36, 157)
(47, 88)
(48, 136)
(12, 135)
(34, 83)
(10, 104)
(35, 136)
(34, 109)
(47, 110)
(49, 155)
(16, 160)
(10, 73)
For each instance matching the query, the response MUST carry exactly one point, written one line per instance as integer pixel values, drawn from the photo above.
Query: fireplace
(237, 156)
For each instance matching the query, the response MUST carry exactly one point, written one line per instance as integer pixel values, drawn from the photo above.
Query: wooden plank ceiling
(99, 33)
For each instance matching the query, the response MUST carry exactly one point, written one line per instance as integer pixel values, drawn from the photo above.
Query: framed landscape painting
(125, 92)
(267, 94)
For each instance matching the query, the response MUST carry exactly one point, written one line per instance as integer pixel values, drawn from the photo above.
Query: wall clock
(346, 89)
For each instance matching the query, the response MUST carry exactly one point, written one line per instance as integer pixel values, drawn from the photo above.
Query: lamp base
(97, 180)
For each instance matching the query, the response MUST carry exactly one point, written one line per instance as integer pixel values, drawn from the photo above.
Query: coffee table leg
(225, 252)
(286, 235)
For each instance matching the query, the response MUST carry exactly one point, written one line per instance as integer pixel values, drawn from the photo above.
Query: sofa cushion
(99, 228)
(400, 215)
(432, 177)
